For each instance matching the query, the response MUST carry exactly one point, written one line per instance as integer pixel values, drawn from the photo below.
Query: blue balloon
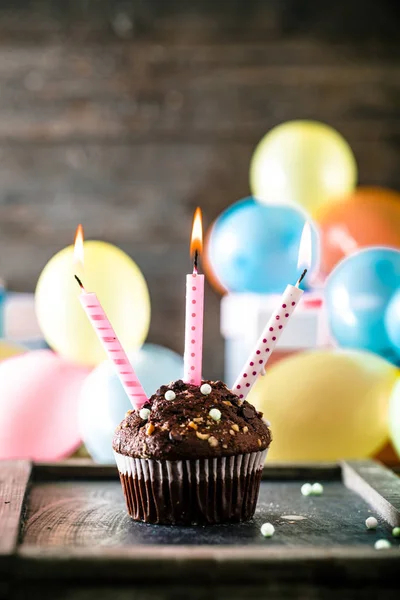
(392, 321)
(357, 294)
(103, 401)
(254, 247)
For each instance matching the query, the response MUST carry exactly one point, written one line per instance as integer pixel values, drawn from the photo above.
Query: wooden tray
(64, 533)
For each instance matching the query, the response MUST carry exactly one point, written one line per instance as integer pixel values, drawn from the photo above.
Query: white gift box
(243, 317)
(20, 322)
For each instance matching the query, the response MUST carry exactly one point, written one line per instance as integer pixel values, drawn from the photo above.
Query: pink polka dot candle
(267, 342)
(193, 355)
(255, 364)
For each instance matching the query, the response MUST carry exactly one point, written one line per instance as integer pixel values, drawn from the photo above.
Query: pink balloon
(39, 394)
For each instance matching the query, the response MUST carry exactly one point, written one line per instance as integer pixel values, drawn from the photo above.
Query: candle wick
(300, 279)
(79, 281)
(195, 262)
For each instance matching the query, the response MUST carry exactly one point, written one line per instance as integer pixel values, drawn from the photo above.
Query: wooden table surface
(64, 533)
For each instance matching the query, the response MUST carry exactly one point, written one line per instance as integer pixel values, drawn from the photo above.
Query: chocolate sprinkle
(175, 436)
(249, 412)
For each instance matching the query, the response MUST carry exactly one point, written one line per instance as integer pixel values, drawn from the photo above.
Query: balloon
(120, 287)
(326, 405)
(392, 321)
(367, 217)
(9, 349)
(387, 454)
(357, 293)
(207, 266)
(39, 406)
(394, 417)
(103, 401)
(254, 247)
(302, 162)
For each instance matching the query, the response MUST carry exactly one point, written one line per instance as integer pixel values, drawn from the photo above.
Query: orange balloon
(207, 266)
(370, 216)
(387, 455)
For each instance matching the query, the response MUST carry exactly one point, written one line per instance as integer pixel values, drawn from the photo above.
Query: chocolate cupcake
(192, 455)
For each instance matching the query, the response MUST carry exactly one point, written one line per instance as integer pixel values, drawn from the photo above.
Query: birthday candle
(193, 355)
(108, 338)
(255, 364)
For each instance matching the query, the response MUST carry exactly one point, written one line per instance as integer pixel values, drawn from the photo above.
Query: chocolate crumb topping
(182, 428)
(175, 436)
(248, 411)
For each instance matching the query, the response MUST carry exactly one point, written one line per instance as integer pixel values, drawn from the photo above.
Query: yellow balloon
(394, 417)
(9, 349)
(326, 405)
(302, 162)
(120, 287)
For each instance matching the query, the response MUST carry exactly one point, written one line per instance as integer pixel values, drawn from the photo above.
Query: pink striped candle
(193, 355)
(112, 346)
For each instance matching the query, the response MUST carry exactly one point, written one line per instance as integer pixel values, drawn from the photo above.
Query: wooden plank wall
(127, 114)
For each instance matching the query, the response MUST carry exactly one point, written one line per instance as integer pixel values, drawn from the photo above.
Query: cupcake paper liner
(184, 492)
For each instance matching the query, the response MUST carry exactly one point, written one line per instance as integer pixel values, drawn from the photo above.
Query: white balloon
(103, 401)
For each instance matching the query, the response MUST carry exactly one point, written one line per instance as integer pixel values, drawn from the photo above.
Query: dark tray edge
(222, 564)
(85, 469)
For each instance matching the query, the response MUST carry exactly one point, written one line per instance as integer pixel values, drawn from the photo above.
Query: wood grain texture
(248, 591)
(126, 115)
(14, 477)
(189, 92)
(377, 485)
(73, 515)
(246, 20)
(77, 539)
(66, 511)
(214, 591)
(337, 567)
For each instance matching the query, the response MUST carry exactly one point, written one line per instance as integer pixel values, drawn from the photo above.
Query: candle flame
(78, 246)
(196, 244)
(305, 252)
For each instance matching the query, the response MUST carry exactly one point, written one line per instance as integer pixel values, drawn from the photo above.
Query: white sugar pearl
(144, 413)
(306, 489)
(382, 544)
(267, 529)
(206, 389)
(317, 489)
(170, 395)
(215, 414)
(371, 523)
